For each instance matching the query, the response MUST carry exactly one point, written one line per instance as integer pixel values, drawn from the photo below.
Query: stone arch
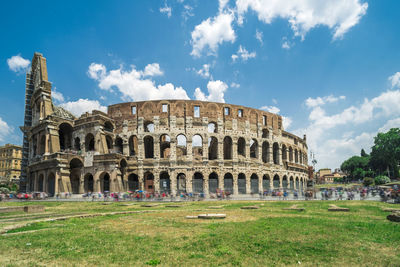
(212, 148)
(181, 183)
(41, 183)
(109, 143)
(105, 182)
(75, 169)
(284, 153)
(148, 147)
(265, 133)
(297, 183)
(253, 148)
(77, 144)
(284, 182)
(165, 146)
(89, 142)
(133, 145)
(212, 127)
(296, 156)
(227, 147)
(291, 183)
(290, 154)
(254, 184)
(275, 149)
(181, 145)
(148, 127)
(228, 183)
(65, 135)
(148, 182)
(276, 182)
(165, 183)
(241, 183)
(119, 145)
(198, 182)
(266, 183)
(197, 147)
(265, 152)
(133, 182)
(108, 126)
(88, 183)
(213, 182)
(51, 184)
(241, 147)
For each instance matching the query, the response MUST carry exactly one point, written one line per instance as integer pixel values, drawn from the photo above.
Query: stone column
(189, 149)
(173, 182)
(206, 188)
(141, 178)
(271, 154)
(235, 183)
(248, 185)
(96, 182)
(260, 183)
(156, 181)
(221, 181)
(156, 143)
(81, 183)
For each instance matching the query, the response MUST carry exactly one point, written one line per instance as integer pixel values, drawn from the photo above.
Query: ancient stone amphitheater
(168, 146)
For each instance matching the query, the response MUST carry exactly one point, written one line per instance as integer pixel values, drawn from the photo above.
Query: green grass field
(268, 236)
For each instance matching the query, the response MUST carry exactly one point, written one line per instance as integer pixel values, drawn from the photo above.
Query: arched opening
(88, 183)
(297, 183)
(213, 182)
(197, 147)
(77, 144)
(133, 145)
(265, 133)
(266, 182)
(75, 167)
(285, 182)
(290, 154)
(109, 143)
(165, 146)
(119, 145)
(108, 126)
(89, 142)
(212, 148)
(227, 147)
(65, 136)
(275, 183)
(228, 183)
(165, 183)
(149, 182)
(133, 182)
(296, 156)
(300, 157)
(105, 182)
(181, 147)
(276, 153)
(198, 182)
(212, 127)
(42, 145)
(241, 147)
(291, 183)
(148, 147)
(241, 183)
(149, 127)
(254, 183)
(40, 183)
(284, 153)
(181, 183)
(265, 152)
(51, 184)
(253, 148)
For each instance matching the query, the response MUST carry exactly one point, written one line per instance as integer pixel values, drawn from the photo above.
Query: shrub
(368, 181)
(382, 179)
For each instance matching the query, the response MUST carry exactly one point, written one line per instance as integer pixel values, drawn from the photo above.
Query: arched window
(197, 147)
(198, 183)
(181, 147)
(228, 183)
(212, 127)
(241, 183)
(133, 182)
(119, 145)
(181, 183)
(266, 182)
(108, 126)
(296, 156)
(284, 153)
(89, 142)
(133, 145)
(212, 148)
(290, 154)
(265, 152)
(253, 148)
(254, 183)
(276, 182)
(109, 142)
(213, 182)
(227, 147)
(65, 136)
(165, 146)
(148, 147)
(77, 144)
(276, 153)
(265, 133)
(149, 127)
(241, 147)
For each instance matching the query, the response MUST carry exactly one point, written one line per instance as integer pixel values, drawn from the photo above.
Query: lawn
(161, 235)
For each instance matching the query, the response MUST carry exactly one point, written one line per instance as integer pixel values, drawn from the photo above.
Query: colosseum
(171, 146)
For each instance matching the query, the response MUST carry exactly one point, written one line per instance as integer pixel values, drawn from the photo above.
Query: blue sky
(331, 68)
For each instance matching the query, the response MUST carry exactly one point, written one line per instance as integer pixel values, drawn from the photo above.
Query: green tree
(382, 179)
(356, 167)
(363, 154)
(385, 154)
(368, 181)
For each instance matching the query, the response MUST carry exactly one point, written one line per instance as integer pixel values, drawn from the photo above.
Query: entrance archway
(198, 182)
(149, 182)
(213, 182)
(165, 183)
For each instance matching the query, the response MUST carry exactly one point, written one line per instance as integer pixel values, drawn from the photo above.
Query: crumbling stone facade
(159, 146)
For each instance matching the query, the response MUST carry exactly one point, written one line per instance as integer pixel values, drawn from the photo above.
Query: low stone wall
(28, 209)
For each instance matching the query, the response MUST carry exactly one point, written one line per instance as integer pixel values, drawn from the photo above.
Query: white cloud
(57, 95)
(222, 4)
(167, 10)
(5, 130)
(243, 54)
(212, 32)
(216, 90)
(259, 36)
(152, 70)
(286, 121)
(204, 71)
(18, 63)
(133, 84)
(286, 44)
(338, 15)
(83, 105)
(235, 85)
(395, 79)
(272, 109)
(187, 12)
(319, 101)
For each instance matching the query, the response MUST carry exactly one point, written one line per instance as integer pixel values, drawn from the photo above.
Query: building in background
(10, 163)
(325, 176)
